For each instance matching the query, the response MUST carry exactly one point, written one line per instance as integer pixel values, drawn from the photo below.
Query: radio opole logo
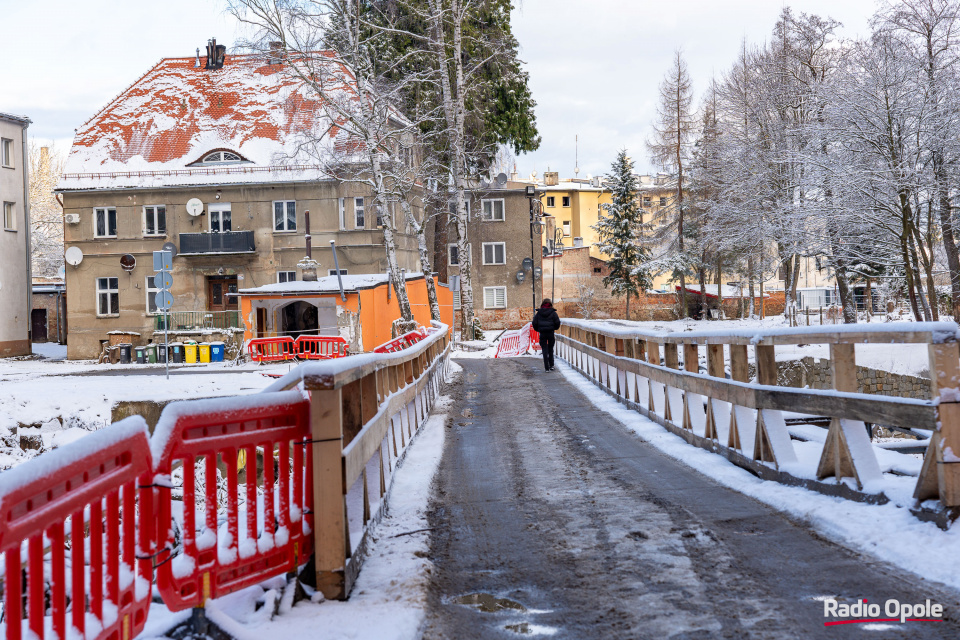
(892, 611)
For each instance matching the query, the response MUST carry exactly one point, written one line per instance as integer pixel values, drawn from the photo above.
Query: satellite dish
(172, 248)
(73, 256)
(128, 262)
(520, 276)
(501, 179)
(194, 206)
(61, 272)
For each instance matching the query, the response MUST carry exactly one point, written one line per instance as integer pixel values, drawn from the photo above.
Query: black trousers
(547, 340)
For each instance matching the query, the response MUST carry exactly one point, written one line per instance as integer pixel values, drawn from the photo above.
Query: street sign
(163, 280)
(163, 261)
(164, 300)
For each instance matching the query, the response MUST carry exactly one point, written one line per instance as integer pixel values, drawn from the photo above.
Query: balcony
(199, 244)
(197, 320)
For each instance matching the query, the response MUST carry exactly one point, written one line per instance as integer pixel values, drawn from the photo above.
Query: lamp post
(535, 226)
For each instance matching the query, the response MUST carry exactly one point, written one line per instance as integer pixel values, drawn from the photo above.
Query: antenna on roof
(576, 156)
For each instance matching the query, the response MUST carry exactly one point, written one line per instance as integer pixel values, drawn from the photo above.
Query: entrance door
(38, 325)
(217, 289)
(261, 322)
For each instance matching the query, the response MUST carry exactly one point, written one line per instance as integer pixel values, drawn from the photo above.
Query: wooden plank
(715, 363)
(739, 365)
(847, 453)
(329, 507)
(671, 356)
(691, 357)
(843, 367)
(766, 361)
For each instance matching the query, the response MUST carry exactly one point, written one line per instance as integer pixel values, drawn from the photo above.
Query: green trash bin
(150, 353)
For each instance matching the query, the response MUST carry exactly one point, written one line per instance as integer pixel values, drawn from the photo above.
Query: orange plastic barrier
(272, 349)
(321, 347)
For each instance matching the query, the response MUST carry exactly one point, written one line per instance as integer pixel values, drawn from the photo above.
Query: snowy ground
(70, 398)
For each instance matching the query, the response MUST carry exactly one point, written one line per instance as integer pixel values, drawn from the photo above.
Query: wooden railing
(364, 410)
(659, 375)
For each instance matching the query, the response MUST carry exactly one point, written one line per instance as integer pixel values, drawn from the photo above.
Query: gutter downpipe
(336, 266)
(26, 230)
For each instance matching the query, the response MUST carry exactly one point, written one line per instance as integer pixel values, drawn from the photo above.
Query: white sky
(594, 64)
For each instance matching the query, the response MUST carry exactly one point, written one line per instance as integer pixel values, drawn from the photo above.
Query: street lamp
(535, 226)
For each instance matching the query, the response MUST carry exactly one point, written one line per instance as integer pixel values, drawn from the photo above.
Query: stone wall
(815, 374)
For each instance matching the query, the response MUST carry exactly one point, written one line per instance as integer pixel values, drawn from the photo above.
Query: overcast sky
(594, 64)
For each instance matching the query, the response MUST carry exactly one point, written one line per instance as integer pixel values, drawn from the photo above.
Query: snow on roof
(10, 117)
(326, 284)
(176, 113)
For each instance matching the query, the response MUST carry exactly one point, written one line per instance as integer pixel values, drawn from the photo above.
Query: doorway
(219, 290)
(38, 325)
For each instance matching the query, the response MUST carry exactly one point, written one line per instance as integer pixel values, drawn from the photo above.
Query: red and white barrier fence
(519, 342)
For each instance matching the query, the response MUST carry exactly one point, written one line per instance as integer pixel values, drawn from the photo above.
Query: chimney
(276, 53)
(196, 65)
(551, 178)
(514, 176)
(216, 54)
(308, 265)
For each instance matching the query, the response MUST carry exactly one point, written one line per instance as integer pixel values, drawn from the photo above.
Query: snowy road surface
(549, 518)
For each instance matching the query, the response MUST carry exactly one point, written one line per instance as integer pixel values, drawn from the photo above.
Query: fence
(263, 480)
(196, 320)
(754, 424)
(402, 342)
(517, 343)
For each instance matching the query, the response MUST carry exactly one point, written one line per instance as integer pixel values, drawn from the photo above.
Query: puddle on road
(473, 394)
(467, 413)
(489, 603)
(526, 628)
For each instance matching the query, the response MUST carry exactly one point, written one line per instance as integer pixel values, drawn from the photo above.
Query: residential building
(225, 135)
(14, 237)
(48, 318)
(505, 290)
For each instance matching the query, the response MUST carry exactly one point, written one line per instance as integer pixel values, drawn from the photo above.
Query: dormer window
(219, 156)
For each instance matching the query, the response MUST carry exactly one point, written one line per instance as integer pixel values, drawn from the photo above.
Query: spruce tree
(621, 233)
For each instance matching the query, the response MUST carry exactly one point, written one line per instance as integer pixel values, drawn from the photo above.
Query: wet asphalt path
(585, 531)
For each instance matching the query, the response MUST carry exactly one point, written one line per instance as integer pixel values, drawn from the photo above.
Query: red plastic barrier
(515, 343)
(534, 339)
(216, 560)
(321, 347)
(272, 349)
(93, 484)
(401, 342)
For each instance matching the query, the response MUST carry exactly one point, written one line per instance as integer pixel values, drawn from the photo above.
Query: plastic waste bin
(216, 351)
(176, 352)
(190, 353)
(140, 355)
(204, 352)
(150, 353)
(126, 353)
(162, 352)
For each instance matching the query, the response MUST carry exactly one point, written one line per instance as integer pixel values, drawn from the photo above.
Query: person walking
(545, 322)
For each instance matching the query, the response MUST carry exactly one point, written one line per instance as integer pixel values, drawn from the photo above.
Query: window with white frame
(10, 216)
(333, 272)
(453, 255)
(286, 276)
(566, 227)
(551, 201)
(358, 211)
(566, 201)
(151, 290)
(494, 253)
(105, 222)
(452, 207)
(6, 152)
(494, 297)
(284, 215)
(155, 220)
(492, 210)
(341, 211)
(220, 217)
(221, 157)
(108, 296)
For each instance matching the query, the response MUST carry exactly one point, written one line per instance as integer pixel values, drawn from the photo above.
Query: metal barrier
(108, 570)
(258, 443)
(321, 347)
(272, 349)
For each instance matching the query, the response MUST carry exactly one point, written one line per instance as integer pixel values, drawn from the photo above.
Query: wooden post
(940, 474)
(739, 365)
(766, 360)
(691, 357)
(715, 360)
(671, 355)
(329, 506)
(843, 367)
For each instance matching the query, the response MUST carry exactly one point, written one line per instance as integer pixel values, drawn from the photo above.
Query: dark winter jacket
(546, 321)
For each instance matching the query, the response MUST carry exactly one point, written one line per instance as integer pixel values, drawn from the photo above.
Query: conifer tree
(621, 233)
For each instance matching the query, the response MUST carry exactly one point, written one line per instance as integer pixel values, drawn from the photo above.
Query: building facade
(227, 141)
(14, 237)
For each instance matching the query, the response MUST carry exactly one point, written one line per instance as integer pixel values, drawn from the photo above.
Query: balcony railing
(226, 242)
(196, 320)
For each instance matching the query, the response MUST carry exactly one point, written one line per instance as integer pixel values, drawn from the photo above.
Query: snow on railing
(768, 428)
(263, 481)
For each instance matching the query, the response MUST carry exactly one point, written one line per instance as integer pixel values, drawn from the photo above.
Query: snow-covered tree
(46, 214)
(621, 233)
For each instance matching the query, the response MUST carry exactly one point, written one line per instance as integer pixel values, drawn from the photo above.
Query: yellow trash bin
(204, 352)
(190, 353)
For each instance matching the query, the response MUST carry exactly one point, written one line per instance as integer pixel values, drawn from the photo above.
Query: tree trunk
(908, 275)
(796, 280)
(869, 293)
(702, 272)
(751, 291)
(628, 304)
(918, 281)
(425, 267)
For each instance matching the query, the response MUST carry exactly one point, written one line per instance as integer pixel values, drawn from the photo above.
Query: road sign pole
(166, 340)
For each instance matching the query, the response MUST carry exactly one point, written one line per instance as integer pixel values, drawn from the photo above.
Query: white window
(663, 201)
(646, 202)
(9, 216)
(453, 210)
(341, 209)
(286, 276)
(285, 215)
(566, 201)
(333, 272)
(151, 290)
(108, 296)
(453, 255)
(6, 152)
(494, 297)
(105, 222)
(155, 220)
(358, 210)
(220, 221)
(492, 210)
(566, 227)
(221, 157)
(494, 253)
(551, 201)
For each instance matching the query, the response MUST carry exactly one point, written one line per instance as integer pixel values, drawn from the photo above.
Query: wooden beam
(766, 360)
(329, 507)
